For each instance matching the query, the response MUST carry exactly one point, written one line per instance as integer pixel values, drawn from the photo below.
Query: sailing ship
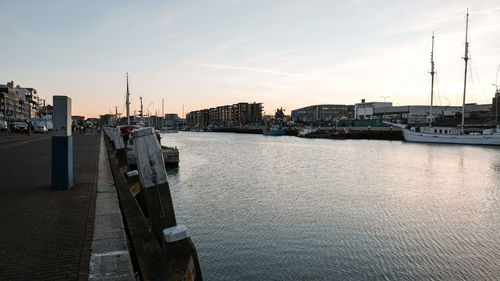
(170, 154)
(454, 135)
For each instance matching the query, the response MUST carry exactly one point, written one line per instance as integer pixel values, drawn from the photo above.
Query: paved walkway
(11, 139)
(46, 234)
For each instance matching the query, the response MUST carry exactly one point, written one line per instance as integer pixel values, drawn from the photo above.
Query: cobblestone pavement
(10, 139)
(46, 234)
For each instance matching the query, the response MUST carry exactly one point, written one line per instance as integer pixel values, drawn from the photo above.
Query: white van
(3, 125)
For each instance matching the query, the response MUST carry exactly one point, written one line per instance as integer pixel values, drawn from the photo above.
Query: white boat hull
(487, 139)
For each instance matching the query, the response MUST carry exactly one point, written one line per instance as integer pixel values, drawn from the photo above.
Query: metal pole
(432, 80)
(466, 58)
(497, 95)
(127, 103)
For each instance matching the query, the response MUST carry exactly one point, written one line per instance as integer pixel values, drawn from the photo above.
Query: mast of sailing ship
(497, 96)
(432, 80)
(466, 58)
(127, 103)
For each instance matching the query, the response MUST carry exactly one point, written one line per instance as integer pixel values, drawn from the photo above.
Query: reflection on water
(172, 171)
(285, 208)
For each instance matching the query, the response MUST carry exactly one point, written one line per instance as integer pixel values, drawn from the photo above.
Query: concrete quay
(10, 139)
(110, 258)
(59, 234)
(93, 231)
(46, 234)
(155, 258)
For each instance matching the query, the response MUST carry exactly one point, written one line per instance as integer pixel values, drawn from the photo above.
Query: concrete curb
(110, 257)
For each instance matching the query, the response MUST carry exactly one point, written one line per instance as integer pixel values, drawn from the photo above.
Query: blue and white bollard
(62, 144)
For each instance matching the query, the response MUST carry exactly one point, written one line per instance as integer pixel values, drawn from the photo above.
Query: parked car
(40, 129)
(3, 125)
(20, 127)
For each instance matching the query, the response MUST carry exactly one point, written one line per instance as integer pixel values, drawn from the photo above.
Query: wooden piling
(153, 176)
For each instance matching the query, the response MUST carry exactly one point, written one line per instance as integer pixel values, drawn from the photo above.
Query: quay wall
(239, 130)
(378, 133)
(148, 254)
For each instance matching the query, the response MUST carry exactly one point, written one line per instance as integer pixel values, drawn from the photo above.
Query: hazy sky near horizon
(288, 53)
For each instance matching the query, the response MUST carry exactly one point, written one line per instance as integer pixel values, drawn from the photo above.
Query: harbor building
(198, 119)
(239, 114)
(154, 121)
(108, 119)
(182, 124)
(14, 104)
(495, 108)
(325, 112)
(171, 121)
(365, 110)
(30, 95)
(414, 114)
(419, 114)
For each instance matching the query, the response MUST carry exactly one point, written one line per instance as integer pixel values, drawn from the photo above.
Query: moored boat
(453, 135)
(306, 131)
(273, 130)
(170, 155)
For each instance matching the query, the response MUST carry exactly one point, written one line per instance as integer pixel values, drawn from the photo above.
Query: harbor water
(287, 208)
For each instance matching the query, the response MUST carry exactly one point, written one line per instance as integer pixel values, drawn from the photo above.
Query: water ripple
(261, 208)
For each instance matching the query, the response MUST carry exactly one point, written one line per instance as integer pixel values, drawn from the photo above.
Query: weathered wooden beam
(118, 139)
(161, 260)
(107, 131)
(150, 257)
(119, 146)
(153, 176)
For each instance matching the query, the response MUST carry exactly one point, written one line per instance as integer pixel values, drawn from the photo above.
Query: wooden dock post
(173, 250)
(121, 150)
(153, 176)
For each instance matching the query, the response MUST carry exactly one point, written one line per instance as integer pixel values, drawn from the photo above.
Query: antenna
(496, 81)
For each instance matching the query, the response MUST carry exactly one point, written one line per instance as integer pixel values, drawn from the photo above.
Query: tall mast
(140, 111)
(127, 103)
(497, 97)
(466, 58)
(162, 108)
(432, 80)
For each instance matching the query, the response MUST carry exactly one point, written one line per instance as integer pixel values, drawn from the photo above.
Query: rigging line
(489, 46)
(474, 86)
(471, 96)
(483, 94)
(437, 91)
(411, 73)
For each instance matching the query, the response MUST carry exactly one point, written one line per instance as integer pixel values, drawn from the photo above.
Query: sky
(290, 54)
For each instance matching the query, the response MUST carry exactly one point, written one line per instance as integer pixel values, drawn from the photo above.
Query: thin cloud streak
(207, 26)
(260, 70)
